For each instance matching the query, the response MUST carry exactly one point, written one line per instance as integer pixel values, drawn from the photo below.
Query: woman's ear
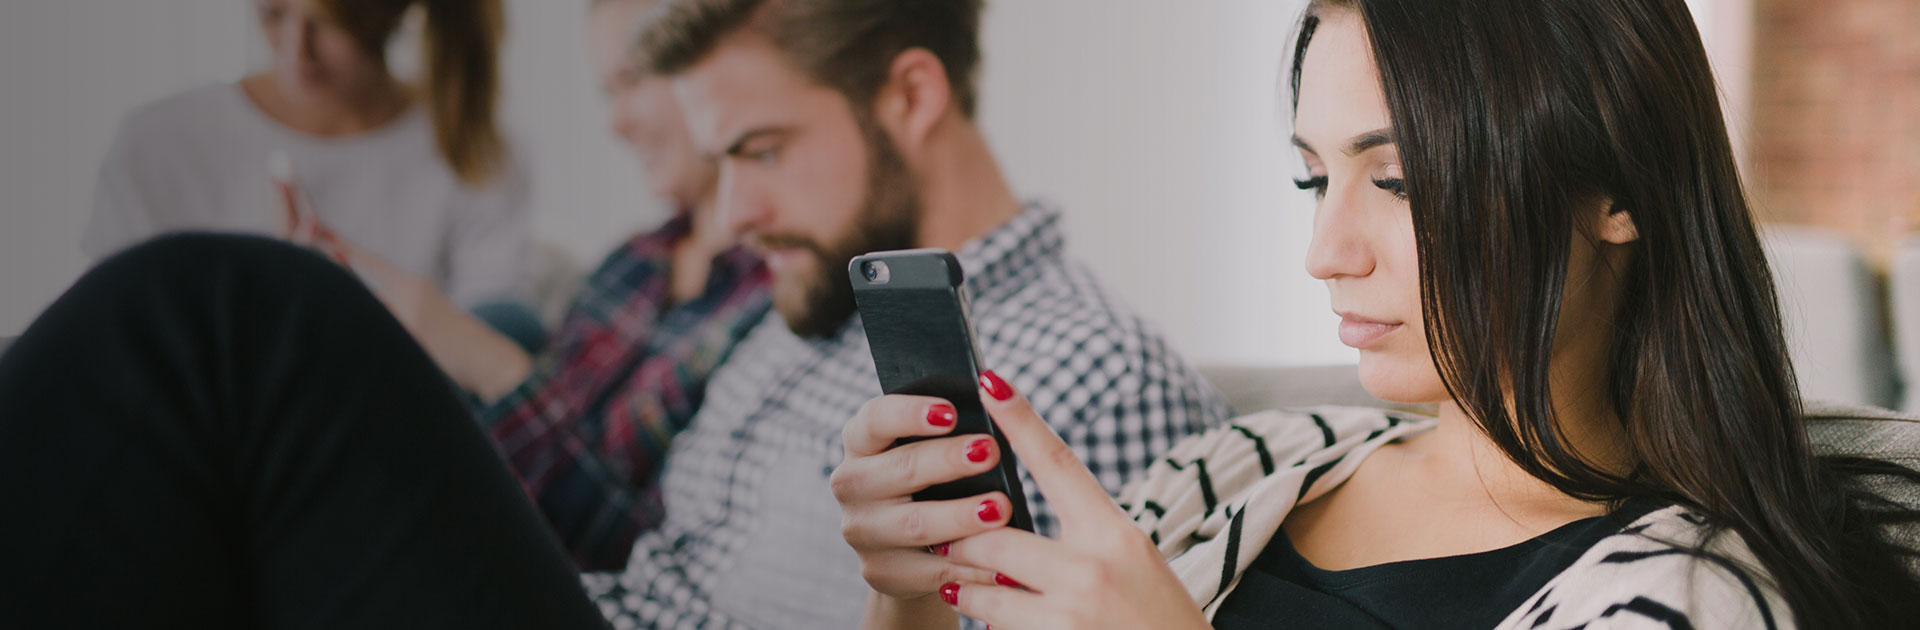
(914, 99)
(1616, 226)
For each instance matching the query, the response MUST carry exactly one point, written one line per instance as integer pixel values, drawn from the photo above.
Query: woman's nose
(1341, 246)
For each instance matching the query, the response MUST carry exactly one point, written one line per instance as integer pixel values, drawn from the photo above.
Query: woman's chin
(1399, 380)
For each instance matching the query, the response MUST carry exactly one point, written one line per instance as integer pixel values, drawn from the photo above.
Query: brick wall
(1836, 116)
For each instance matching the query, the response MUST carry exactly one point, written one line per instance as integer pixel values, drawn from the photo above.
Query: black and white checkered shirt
(752, 533)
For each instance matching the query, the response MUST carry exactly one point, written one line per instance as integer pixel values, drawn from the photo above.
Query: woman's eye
(764, 156)
(1393, 185)
(1317, 184)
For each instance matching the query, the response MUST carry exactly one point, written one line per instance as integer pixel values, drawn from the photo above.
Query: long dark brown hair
(1511, 117)
(461, 48)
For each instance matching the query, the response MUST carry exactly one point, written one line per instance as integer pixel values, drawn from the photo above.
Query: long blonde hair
(462, 82)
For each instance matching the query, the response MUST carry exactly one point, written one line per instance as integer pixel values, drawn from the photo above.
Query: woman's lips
(1361, 333)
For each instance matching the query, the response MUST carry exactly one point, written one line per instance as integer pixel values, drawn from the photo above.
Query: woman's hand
(412, 298)
(1102, 573)
(300, 226)
(472, 353)
(900, 541)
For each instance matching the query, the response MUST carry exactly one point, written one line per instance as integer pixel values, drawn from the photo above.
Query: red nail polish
(1003, 580)
(979, 450)
(941, 415)
(950, 593)
(941, 548)
(988, 512)
(997, 388)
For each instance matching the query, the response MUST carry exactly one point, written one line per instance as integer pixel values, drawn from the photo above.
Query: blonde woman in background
(416, 175)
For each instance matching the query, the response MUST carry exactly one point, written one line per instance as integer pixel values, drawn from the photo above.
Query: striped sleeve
(1216, 500)
(1192, 481)
(1647, 576)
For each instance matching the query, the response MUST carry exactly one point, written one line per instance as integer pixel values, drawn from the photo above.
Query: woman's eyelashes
(1318, 184)
(1393, 185)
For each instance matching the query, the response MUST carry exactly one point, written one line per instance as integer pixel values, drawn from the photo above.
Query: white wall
(70, 68)
(1156, 126)
(1726, 28)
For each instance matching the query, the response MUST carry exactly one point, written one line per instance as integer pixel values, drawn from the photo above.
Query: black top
(1281, 589)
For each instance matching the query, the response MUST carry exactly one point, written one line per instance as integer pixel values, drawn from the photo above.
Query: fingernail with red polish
(1003, 580)
(950, 593)
(941, 548)
(979, 450)
(988, 512)
(995, 387)
(941, 415)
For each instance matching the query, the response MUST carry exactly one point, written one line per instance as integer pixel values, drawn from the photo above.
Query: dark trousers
(227, 432)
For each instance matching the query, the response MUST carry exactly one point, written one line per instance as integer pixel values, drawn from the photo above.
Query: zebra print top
(1216, 500)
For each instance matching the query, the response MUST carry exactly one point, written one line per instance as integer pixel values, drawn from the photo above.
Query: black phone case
(921, 335)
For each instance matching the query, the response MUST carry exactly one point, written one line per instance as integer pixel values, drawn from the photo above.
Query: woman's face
(641, 109)
(1363, 239)
(1363, 243)
(313, 58)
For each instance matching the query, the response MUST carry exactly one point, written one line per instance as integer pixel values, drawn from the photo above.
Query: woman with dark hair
(415, 174)
(1528, 214)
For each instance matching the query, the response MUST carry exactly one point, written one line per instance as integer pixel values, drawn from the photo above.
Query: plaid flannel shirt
(752, 534)
(586, 433)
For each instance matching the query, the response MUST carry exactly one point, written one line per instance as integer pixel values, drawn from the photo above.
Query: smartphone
(913, 304)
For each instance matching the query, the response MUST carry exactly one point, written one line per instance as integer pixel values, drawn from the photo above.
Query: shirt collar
(994, 262)
(998, 258)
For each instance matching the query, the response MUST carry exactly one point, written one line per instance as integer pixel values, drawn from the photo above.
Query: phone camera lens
(875, 271)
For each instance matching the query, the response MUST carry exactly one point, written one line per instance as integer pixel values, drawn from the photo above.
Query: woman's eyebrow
(1359, 144)
(1303, 145)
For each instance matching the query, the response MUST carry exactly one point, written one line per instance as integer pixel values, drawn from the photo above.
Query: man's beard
(889, 218)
